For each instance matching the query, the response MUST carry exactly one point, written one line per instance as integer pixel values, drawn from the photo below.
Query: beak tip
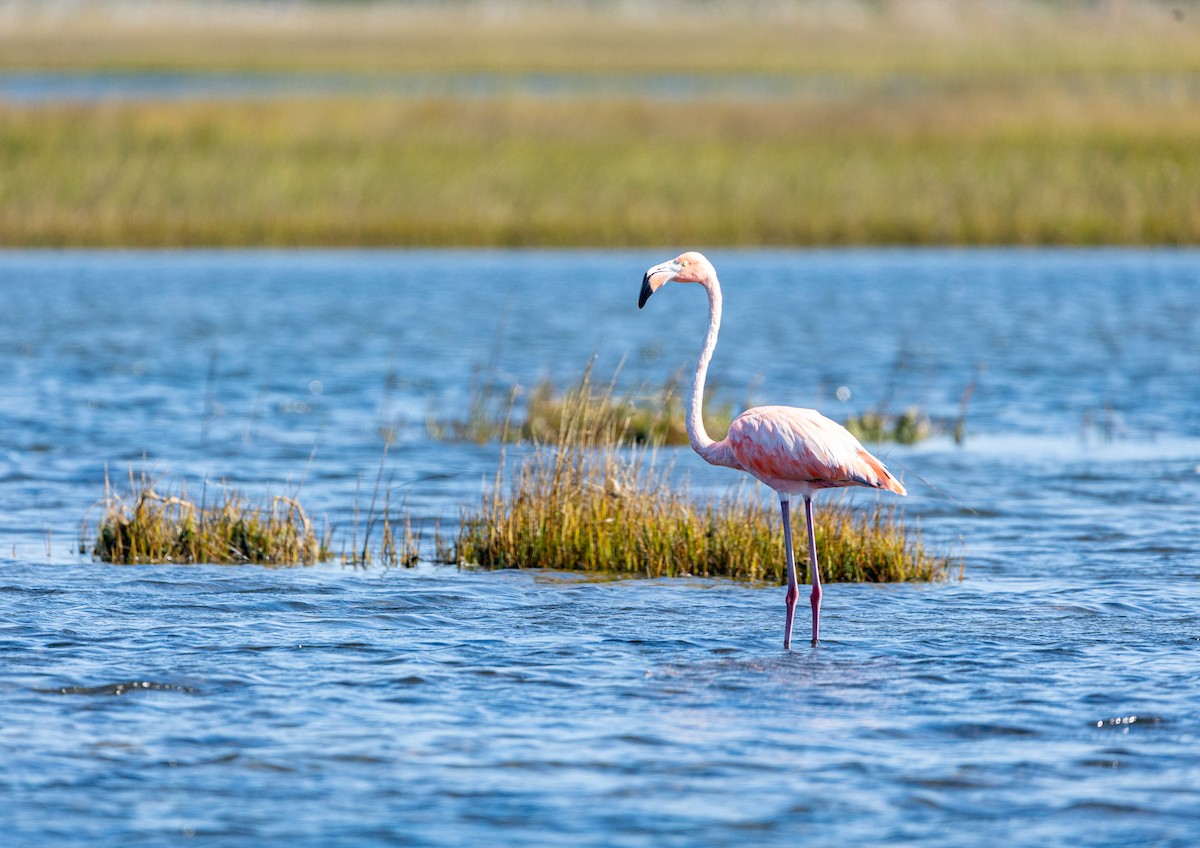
(647, 290)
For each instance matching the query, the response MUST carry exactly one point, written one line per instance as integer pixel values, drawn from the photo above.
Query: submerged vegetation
(582, 502)
(1030, 123)
(143, 526)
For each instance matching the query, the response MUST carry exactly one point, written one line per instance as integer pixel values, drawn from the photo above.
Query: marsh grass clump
(636, 417)
(144, 526)
(644, 417)
(583, 502)
(907, 428)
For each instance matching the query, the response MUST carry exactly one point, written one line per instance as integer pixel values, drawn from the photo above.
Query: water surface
(1049, 698)
(32, 87)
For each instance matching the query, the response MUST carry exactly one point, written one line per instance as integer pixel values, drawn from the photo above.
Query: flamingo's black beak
(655, 278)
(647, 290)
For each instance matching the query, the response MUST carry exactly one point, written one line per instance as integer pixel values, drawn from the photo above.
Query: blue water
(1050, 697)
(32, 87)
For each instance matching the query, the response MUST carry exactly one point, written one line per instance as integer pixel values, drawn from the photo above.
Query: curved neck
(701, 443)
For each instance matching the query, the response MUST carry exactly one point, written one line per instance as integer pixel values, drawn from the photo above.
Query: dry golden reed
(144, 526)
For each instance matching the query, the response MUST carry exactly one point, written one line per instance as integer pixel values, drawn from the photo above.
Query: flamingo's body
(794, 451)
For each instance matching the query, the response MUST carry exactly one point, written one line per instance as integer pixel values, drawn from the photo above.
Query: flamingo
(793, 451)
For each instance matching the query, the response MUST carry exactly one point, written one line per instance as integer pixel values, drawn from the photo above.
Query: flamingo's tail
(881, 478)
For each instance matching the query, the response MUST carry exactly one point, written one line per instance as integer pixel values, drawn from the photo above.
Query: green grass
(1031, 123)
(144, 526)
(581, 503)
(552, 173)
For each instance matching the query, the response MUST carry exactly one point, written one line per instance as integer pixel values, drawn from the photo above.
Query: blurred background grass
(923, 122)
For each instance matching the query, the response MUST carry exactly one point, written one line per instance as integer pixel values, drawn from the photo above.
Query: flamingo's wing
(783, 445)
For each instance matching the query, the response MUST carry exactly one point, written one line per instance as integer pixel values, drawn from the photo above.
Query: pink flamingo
(794, 451)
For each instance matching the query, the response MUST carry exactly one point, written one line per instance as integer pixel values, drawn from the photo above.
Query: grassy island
(143, 526)
(590, 500)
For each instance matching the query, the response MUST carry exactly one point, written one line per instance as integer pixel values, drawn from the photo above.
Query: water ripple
(122, 688)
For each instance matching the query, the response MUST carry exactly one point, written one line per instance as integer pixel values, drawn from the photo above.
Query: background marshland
(846, 123)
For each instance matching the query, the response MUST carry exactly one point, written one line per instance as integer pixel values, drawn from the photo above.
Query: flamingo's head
(690, 267)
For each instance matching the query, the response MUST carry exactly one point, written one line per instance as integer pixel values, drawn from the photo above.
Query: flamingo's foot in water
(793, 595)
(815, 600)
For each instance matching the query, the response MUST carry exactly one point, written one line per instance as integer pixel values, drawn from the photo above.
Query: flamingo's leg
(815, 597)
(793, 589)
